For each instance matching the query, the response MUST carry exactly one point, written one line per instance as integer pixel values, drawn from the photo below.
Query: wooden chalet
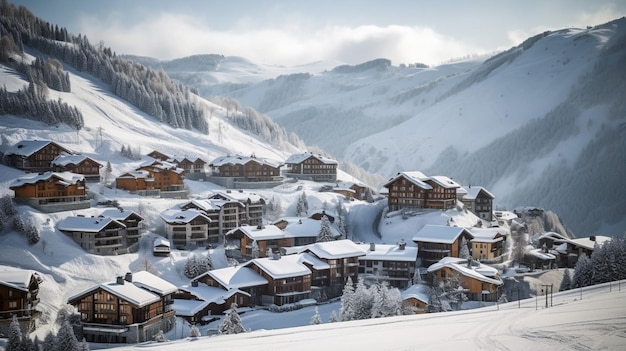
(98, 235)
(186, 228)
(52, 191)
(304, 231)
(225, 215)
(140, 182)
(19, 291)
(253, 203)
(161, 247)
(245, 281)
(478, 200)
(414, 191)
(488, 244)
(251, 168)
(435, 242)
(190, 167)
(167, 176)
(157, 155)
(132, 309)
(311, 167)
(351, 190)
(417, 297)
(34, 155)
(79, 164)
(481, 282)
(131, 219)
(394, 264)
(289, 280)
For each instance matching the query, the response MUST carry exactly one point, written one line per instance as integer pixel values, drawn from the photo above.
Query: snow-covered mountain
(538, 124)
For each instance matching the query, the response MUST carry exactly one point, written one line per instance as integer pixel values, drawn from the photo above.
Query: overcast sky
(298, 32)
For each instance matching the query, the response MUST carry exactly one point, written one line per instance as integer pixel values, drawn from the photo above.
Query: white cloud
(170, 36)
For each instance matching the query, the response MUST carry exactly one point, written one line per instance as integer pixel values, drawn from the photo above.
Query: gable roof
(284, 267)
(29, 147)
(87, 224)
(445, 182)
(265, 232)
(174, 216)
(415, 177)
(64, 178)
(135, 175)
(120, 215)
(487, 235)
(420, 292)
(236, 277)
(208, 205)
(239, 195)
(149, 281)
(439, 234)
(335, 249)
(16, 278)
(299, 158)
(471, 192)
(65, 159)
(126, 291)
(477, 270)
(386, 252)
(241, 160)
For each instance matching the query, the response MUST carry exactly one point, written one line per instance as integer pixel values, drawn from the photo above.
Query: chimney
(402, 244)
(276, 255)
(592, 238)
(120, 280)
(372, 247)
(194, 283)
(469, 262)
(128, 277)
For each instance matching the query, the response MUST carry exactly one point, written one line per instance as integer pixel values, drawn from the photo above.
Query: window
(12, 304)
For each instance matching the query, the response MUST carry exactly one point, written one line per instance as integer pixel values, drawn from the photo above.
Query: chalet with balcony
(161, 247)
(79, 164)
(245, 172)
(225, 215)
(257, 241)
(19, 291)
(435, 242)
(34, 155)
(98, 235)
(342, 257)
(308, 166)
(481, 282)
(478, 200)
(289, 280)
(488, 244)
(131, 219)
(187, 228)
(253, 205)
(414, 190)
(394, 264)
(190, 167)
(132, 309)
(352, 190)
(167, 176)
(304, 231)
(137, 182)
(198, 303)
(52, 191)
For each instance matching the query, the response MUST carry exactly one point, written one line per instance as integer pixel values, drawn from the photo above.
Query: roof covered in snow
(151, 282)
(415, 177)
(238, 195)
(65, 159)
(241, 160)
(538, 253)
(487, 235)
(305, 227)
(88, 224)
(16, 278)
(189, 308)
(476, 271)
(445, 182)
(386, 252)
(236, 277)
(29, 147)
(299, 158)
(336, 249)
(161, 242)
(65, 178)
(136, 175)
(439, 234)
(173, 216)
(417, 291)
(208, 205)
(590, 242)
(126, 291)
(471, 192)
(264, 232)
(281, 267)
(119, 215)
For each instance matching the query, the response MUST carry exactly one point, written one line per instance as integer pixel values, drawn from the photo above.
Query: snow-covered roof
(87, 224)
(161, 242)
(305, 227)
(208, 205)
(386, 252)
(241, 160)
(417, 291)
(439, 234)
(65, 178)
(553, 236)
(471, 191)
(135, 175)
(477, 270)
(189, 308)
(336, 249)
(65, 159)
(487, 235)
(119, 215)
(312, 260)
(29, 147)
(505, 215)
(126, 291)
(182, 217)
(16, 278)
(445, 182)
(236, 277)
(283, 267)
(149, 281)
(299, 158)
(589, 244)
(415, 177)
(265, 232)
(238, 195)
(162, 165)
(541, 255)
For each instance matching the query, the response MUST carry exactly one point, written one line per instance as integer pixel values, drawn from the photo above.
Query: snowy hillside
(535, 124)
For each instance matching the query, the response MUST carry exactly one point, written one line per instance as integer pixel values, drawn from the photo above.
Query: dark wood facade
(86, 166)
(413, 190)
(20, 300)
(34, 155)
(310, 166)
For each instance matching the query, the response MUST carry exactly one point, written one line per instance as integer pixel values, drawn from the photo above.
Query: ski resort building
(52, 191)
(308, 166)
(394, 264)
(34, 155)
(478, 200)
(435, 242)
(186, 228)
(79, 164)
(411, 191)
(245, 172)
(19, 291)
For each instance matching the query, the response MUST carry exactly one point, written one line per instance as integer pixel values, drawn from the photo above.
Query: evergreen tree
(368, 195)
(363, 300)
(66, 340)
(15, 335)
(583, 272)
(566, 283)
(302, 207)
(232, 322)
(347, 311)
(27, 344)
(325, 234)
(333, 317)
(464, 250)
(255, 249)
(194, 332)
(32, 232)
(316, 319)
(49, 342)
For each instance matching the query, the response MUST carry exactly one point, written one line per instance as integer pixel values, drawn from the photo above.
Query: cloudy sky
(298, 32)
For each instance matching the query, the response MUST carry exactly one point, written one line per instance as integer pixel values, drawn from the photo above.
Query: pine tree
(232, 322)
(464, 250)
(302, 207)
(583, 272)
(363, 300)
(566, 283)
(194, 332)
(27, 344)
(325, 234)
(347, 311)
(66, 340)
(32, 232)
(316, 319)
(15, 335)
(333, 317)
(49, 342)
(255, 249)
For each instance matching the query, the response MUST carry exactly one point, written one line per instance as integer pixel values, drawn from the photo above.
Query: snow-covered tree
(255, 249)
(194, 332)
(387, 301)
(32, 232)
(160, 337)
(194, 266)
(464, 250)
(583, 272)
(66, 340)
(316, 319)
(27, 344)
(363, 300)
(325, 234)
(333, 317)
(302, 207)
(49, 342)
(232, 322)
(368, 195)
(347, 311)
(566, 283)
(15, 335)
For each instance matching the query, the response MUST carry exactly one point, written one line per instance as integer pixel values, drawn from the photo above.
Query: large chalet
(34, 155)
(435, 242)
(308, 166)
(80, 164)
(394, 264)
(478, 200)
(481, 282)
(98, 235)
(19, 291)
(225, 215)
(186, 228)
(414, 191)
(154, 178)
(243, 171)
(52, 191)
